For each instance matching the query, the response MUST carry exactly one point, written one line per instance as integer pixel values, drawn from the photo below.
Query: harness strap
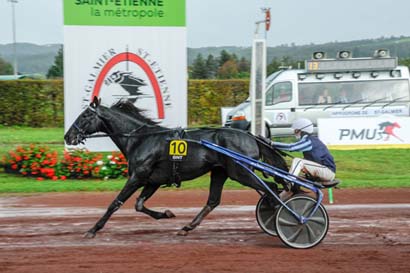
(178, 133)
(175, 178)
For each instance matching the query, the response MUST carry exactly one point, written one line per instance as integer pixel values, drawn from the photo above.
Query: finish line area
(53, 224)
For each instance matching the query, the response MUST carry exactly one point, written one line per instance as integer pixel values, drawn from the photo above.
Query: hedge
(32, 103)
(206, 97)
(41, 103)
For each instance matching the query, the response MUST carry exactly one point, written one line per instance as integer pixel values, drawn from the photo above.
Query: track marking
(11, 212)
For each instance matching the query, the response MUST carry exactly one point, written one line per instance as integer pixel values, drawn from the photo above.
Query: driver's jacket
(313, 149)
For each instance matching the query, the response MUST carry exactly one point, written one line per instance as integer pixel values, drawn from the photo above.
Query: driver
(317, 161)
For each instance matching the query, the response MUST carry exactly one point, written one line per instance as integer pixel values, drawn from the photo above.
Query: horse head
(87, 123)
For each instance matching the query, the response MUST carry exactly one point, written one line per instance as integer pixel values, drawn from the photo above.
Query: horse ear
(96, 101)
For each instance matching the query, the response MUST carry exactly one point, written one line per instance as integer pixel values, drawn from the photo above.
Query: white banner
(139, 55)
(381, 130)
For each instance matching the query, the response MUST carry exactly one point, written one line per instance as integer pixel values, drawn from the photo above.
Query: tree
(228, 70)
(405, 62)
(211, 67)
(273, 66)
(57, 69)
(244, 65)
(286, 61)
(5, 67)
(199, 69)
(244, 68)
(224, 57)
(234, 57)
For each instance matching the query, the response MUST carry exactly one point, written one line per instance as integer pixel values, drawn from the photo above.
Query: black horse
(145, 144)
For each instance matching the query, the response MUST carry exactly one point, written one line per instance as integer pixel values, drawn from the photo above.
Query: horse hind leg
(218, 178)
(146, 193)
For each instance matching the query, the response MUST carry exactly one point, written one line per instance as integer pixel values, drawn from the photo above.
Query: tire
(265, 214)
(296, 235)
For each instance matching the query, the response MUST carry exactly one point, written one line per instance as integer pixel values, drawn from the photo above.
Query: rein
(130, 134)
(133, 132)
(264, 142)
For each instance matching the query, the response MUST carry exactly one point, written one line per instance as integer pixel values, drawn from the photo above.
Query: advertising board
(134, 50)
(377, 131)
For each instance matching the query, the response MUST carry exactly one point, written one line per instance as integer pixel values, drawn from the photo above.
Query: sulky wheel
(265, 214)
(297, 235)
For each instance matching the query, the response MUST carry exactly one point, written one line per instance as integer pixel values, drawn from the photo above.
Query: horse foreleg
(129, 188)
(218, 178)
(146, 193)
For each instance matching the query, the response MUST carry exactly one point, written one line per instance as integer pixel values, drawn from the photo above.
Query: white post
(258, 76)
(14, 36)
(257, 86)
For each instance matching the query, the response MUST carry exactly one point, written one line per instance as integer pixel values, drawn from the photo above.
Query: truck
(330, 88)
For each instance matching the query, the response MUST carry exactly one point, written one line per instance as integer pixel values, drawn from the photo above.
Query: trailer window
(279, 92)
(353, 92)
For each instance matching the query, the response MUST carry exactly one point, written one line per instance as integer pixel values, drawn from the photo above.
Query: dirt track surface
(369, 232)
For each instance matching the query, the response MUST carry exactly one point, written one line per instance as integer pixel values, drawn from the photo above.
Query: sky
(232, 22)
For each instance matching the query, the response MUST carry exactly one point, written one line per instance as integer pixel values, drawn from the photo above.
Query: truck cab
(341, 87)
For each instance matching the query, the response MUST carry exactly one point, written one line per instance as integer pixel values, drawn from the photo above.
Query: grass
(376, 168)
(11, 137)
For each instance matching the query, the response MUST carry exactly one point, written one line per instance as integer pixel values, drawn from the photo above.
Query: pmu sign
(121, 49)
(383, 130)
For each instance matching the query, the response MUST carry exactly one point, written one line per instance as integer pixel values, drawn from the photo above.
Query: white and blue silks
(317, 161)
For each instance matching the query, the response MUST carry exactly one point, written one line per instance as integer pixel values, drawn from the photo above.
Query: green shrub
(32, 103)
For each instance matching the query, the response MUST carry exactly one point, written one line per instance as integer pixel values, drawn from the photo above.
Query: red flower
(40, 178)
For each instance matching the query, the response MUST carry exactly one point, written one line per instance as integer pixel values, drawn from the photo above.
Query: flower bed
(40, 162)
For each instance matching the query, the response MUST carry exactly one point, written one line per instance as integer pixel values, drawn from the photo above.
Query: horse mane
(128, 108)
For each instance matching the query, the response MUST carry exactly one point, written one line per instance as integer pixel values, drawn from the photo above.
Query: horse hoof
(169, 214)
(89, 235)
(182, 233)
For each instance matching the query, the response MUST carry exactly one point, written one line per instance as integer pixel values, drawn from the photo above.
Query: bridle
(81, 136)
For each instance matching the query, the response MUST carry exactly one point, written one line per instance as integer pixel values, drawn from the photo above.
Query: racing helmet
(304, 125)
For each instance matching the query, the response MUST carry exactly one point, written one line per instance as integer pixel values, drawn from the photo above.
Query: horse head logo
(128, 82)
